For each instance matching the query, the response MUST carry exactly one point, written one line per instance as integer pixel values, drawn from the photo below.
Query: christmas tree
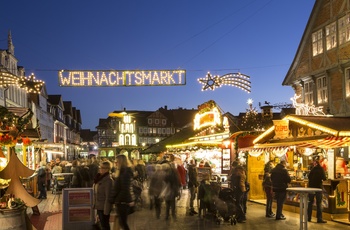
(251, 120)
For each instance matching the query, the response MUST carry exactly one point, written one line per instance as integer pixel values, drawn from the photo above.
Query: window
(149, 121)
(331, 36)
(308, 93)
(163, 121)
(347, 82)
(322, 95)
(156, 121)
(344, 29)
(317, 44)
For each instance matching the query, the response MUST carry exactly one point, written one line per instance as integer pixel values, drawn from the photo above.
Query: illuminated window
(322, 95)
(317, 44)
(331, 36)
(344, 29)
(308, 93)
(347, 82)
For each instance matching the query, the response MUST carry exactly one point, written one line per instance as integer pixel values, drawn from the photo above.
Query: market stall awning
(282, 147)
(327, 143)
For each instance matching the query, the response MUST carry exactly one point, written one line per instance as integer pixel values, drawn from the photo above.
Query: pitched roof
(178, 137)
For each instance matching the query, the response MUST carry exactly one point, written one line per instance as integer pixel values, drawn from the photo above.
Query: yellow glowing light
(115, 78)
(238, 80)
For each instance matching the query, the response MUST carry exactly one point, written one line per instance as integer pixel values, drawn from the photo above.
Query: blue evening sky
(258, 38)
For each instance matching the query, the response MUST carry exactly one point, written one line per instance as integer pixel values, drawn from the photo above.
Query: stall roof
(335, 133)
(333, 126)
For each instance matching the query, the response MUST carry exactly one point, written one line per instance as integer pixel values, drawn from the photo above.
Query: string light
(30, 84)
(238, 80)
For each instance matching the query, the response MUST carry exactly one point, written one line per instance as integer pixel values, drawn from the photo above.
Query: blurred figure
(172, 183)
(267, 186)
(42, 180)
(280, 179)
(57, 168)
(122, 193)
(316, 176)
(204, 196)
(192, 184)
(156, 187)
(48, 176)
(239, 183)
(102, 187)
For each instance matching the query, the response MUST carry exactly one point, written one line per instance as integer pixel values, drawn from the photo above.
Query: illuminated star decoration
(30, 84)
(210, 82)
(238, 80)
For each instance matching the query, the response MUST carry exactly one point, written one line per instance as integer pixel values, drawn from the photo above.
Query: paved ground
(50, 218)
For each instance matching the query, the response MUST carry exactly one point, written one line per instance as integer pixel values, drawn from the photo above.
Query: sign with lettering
(121, 78)
(281, 129)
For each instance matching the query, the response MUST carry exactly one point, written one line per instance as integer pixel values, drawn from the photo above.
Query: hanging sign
(121, 78)
(281, 129)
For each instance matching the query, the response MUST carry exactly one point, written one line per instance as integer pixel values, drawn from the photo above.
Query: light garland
(30, 84)
(238, 80)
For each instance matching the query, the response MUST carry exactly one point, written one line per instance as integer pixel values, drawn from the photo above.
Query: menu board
(77, 208)
(226, 161)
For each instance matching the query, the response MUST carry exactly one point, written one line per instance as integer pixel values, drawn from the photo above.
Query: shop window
(347, 82)
(344, 29)
(331, 36)
(322, 95)
(317, 43)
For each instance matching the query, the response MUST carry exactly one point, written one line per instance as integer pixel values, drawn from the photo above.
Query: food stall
(297, 139)
(206, 146)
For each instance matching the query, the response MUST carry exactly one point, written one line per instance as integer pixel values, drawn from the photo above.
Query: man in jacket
(239, 184)
(316, 176)
(192, 184)
(280, 179)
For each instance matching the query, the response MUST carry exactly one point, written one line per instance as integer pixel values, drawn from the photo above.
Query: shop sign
(281, 129)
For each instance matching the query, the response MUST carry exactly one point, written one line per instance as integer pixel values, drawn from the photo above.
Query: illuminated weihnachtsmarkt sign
(115, 78)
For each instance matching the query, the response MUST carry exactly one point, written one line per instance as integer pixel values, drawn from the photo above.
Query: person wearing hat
(316, 176)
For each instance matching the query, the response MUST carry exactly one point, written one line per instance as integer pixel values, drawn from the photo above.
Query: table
(304, 198)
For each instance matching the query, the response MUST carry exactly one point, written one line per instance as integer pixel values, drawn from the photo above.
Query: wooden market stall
(297, 139)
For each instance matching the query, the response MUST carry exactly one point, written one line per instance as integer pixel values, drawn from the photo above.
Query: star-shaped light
(210, 82)
(238, 80)
(30, 84)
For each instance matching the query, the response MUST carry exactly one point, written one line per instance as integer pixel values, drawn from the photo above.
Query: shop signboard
(77, 210)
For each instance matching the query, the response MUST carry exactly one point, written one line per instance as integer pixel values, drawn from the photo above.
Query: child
(204, 195)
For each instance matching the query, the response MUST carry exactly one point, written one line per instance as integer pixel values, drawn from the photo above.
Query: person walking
(102, 187)
(239, 182)
(173, 185)
(156, 187)
(267, 186)
(280, 179)
(316, 176)
(42, 180)
(192, 185)
(122, 193)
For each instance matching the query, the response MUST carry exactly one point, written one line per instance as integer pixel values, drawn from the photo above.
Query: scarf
(99, 177)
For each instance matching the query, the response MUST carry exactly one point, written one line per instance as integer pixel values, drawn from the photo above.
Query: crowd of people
(114, 184)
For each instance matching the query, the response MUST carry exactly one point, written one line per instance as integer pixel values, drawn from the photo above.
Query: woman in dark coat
(122, 193)
(102, 187)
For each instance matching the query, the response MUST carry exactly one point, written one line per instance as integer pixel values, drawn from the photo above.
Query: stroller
(225, 206)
